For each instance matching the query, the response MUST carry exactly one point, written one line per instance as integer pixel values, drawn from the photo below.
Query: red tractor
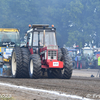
(40, 55)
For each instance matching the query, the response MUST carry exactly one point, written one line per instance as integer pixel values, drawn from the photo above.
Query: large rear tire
(35, 66)
(19, 63)
(16, 62)
(67, 70)
(25, 62)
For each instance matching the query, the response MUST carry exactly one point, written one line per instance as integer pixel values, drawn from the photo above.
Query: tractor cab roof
(9, 30)
(40, 25)
(42, 35)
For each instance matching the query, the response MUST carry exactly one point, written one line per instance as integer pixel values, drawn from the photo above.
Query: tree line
(76, 21)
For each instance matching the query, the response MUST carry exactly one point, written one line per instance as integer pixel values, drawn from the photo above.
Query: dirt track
(81, 86)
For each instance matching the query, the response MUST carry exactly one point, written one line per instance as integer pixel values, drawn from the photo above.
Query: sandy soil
(77, 85)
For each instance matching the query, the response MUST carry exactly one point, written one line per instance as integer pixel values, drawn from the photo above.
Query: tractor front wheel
(35, 66)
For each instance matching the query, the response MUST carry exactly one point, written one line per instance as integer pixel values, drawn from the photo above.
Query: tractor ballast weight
(42, 55)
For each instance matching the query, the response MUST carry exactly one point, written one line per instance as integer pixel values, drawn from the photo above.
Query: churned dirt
(81, 84)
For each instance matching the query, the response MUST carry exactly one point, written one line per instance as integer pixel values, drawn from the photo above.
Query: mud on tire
(35, 66)
(67, 70)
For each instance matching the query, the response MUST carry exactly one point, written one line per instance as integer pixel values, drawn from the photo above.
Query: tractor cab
(88, 57)
(9, 37)
(87, 52)
(41, 36)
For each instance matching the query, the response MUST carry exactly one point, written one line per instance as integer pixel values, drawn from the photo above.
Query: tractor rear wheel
(19, 63)
(16, 62)
(25, 62)
(67, 70)
(35, 66)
